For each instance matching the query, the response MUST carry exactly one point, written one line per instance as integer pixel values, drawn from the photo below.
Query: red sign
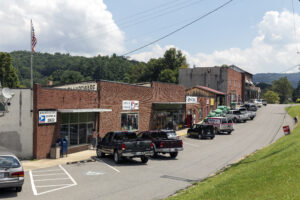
(286, 130)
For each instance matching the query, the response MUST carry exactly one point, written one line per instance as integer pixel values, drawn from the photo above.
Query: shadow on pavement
(8, 193)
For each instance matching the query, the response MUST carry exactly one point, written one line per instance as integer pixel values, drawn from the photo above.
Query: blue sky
(256, 35)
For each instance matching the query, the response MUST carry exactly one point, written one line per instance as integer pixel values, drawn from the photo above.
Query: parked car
(236, 116)
(124, 144)
(11, 172)
(251, 115)
(250, 106)
(164, 141)
(221, 124)
(264, 102)
(257, 102)
(201, 131)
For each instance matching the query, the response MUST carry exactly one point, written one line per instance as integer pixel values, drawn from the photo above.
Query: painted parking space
(50, 180)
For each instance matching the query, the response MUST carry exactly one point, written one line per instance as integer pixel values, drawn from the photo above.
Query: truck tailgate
(138, 146)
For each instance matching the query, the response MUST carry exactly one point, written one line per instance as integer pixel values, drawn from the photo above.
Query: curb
(81, 161)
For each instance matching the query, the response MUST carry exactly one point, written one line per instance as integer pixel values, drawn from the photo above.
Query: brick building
(200, 101)
(104, 106)
(230, 80)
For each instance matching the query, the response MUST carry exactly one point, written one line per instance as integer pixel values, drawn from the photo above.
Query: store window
(130, 121)
(77, 128)
(200, 114)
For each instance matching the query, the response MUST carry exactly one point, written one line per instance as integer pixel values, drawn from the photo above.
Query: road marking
(43, 186)
(49, 174)
(32, 183)
(91, 173)
(108, 165)
(52, 170)
(52, 179)
(194, 145)
(61, 186)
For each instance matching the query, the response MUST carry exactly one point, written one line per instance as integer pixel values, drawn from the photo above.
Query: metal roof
(209, 89)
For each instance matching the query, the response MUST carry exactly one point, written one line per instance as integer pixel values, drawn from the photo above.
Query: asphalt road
(162, 176)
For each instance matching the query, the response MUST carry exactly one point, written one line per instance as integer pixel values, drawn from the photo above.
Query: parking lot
(161, 176)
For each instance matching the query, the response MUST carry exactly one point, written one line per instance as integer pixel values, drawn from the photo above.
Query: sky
(259, 36)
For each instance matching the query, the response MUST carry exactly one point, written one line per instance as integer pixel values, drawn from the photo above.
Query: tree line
(64, 68)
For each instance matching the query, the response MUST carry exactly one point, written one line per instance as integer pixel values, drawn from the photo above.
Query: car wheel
(188, 134)
(173, 154)
(229, 132)
(200, 136)
(100, 154)
(18, 189)
(251, 118)
(212, 137)
(144, 159)
(235, 120)
(216, 131)
(116, 157)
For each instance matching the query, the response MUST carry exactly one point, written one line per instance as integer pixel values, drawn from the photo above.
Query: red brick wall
(235, 84)
(46, 135)
(196, 107)
(112, 94)
(163, 92)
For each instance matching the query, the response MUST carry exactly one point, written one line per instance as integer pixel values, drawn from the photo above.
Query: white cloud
(77, 27)
(272, 50)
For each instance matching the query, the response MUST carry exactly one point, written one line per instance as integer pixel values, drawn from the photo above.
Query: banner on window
(130, 105)
(190, 99)
(212, 101)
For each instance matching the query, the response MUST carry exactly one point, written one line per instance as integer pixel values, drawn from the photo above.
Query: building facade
(102, 106)
(230, 80)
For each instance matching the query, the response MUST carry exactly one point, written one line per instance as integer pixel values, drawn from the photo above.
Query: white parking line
(51, 179)
(52, 170)
(60, 186)
(49, 174)
(108, 165)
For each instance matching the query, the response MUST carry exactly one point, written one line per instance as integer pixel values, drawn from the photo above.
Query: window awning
(86, 110)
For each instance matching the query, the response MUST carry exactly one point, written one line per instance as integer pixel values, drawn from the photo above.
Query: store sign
(47, 116)
(90, 86)
(130, 105)
(190, 99)
(212, 101)
(207, 101)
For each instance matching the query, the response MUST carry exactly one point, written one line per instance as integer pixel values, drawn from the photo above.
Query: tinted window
(224, 120)
(9, 162)
(125, 136)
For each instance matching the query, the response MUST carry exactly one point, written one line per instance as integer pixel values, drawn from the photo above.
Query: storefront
(169, 115)
(102, 106)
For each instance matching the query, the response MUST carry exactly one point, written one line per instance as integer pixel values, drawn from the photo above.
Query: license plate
(208, 133)
(1, 175)
(138, 153)
(172, 150)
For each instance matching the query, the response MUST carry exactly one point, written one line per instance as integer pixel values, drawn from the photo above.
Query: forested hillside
(64, 68)
(294, 78)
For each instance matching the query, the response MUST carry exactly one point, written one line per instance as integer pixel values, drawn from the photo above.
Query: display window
(129, 121)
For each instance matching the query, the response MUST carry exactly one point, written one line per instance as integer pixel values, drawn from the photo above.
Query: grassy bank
(271, 173)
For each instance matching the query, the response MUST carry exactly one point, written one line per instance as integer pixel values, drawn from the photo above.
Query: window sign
(190, 99)
(47, 116)
(130, 105)
(212, 101)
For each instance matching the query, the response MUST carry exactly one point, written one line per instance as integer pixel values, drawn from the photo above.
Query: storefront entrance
(168, 116)
(77, 128)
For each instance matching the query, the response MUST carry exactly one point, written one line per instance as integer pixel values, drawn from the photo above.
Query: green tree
(296, 92)
(71, 77)
(271, 96)
(8, 74)
(167, 76)
(284, 89)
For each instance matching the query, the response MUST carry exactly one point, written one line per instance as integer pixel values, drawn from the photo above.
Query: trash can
(55, 151)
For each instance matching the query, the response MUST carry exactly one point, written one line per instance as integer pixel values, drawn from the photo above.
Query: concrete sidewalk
(43, 163)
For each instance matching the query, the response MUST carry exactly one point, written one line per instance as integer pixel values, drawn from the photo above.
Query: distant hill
(269, 77)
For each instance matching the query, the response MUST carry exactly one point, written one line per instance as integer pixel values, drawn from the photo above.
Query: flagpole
(31, 57)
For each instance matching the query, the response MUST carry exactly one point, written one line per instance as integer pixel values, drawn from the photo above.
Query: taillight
(123, 147)
(161, 144)
(17, 174)
(151, 145)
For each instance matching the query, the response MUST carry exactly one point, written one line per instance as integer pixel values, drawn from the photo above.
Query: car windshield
(125, 136)
(9, 162)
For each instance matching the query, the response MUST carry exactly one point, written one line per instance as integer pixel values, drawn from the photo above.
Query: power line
(179, 29)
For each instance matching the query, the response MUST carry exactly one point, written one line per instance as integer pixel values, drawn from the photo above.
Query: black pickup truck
(164, 141)
(124, 144)
(201, 131)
